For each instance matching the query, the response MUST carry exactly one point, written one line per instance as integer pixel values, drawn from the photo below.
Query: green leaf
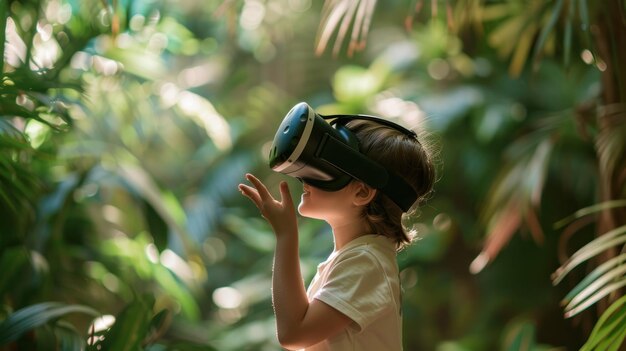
(612, 341)
(567, 36)
(522, 47)
(543, 35)
(163, 202)
(501, 37)
(131, 326)
(619, 340)
(179, 291)
(159, 323)
(608, 323)
(34, 316)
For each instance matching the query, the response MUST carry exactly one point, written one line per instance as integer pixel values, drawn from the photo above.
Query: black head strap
(392, 185)
(346, 118)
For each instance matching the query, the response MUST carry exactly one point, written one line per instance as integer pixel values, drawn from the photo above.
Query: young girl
(353, 302)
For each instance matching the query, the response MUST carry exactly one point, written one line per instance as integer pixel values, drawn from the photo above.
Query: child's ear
(364, 194)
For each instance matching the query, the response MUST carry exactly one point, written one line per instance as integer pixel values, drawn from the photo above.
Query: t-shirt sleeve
(357, 287)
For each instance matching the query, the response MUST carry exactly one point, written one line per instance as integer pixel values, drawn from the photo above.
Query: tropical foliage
(126, 126)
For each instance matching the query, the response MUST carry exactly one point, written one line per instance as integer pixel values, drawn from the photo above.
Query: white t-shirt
(361, 281)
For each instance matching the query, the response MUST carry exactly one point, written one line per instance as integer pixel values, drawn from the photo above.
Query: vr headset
(326, 154)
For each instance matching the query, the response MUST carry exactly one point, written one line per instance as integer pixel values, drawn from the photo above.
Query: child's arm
(298, 322)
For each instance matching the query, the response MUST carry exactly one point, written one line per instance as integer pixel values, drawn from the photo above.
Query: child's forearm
(288, 292)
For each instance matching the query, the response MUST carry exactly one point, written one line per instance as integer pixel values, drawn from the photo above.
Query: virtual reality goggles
(326, 154)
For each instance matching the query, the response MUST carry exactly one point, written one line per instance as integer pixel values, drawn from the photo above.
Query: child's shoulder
(370, 241)
(373, 248)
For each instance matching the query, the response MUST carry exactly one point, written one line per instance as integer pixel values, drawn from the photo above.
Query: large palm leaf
(340, 15)
(606, 280)
(533, 24)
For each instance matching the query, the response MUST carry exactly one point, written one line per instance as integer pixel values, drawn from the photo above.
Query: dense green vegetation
(125, 127)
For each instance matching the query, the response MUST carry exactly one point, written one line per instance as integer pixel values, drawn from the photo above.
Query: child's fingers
(260, 187)
(250, 193)
(285, 195)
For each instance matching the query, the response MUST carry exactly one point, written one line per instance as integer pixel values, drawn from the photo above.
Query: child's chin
(302, 209)
(305, 211)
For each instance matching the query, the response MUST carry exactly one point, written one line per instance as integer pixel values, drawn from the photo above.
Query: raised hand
(281, 214)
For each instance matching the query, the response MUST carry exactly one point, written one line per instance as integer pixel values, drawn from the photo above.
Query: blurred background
(126, 126)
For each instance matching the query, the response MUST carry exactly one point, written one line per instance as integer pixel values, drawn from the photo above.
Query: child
(353, 302)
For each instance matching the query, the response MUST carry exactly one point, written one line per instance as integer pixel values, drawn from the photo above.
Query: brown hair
(407, 157)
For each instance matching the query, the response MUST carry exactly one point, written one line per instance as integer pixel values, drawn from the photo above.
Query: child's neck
(347, 231)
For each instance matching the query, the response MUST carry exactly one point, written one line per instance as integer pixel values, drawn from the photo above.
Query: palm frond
(507, 222)
(535, 25)
(609, 329)
(607, 205)
(19, 185)
(514, 198)
(607, 240)
(547, 28)
(574, 309)
(606, 279)
(522, 48)
(596, 291)
(567, 35)
(36, 315)
(338, 15)
(606, 269)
